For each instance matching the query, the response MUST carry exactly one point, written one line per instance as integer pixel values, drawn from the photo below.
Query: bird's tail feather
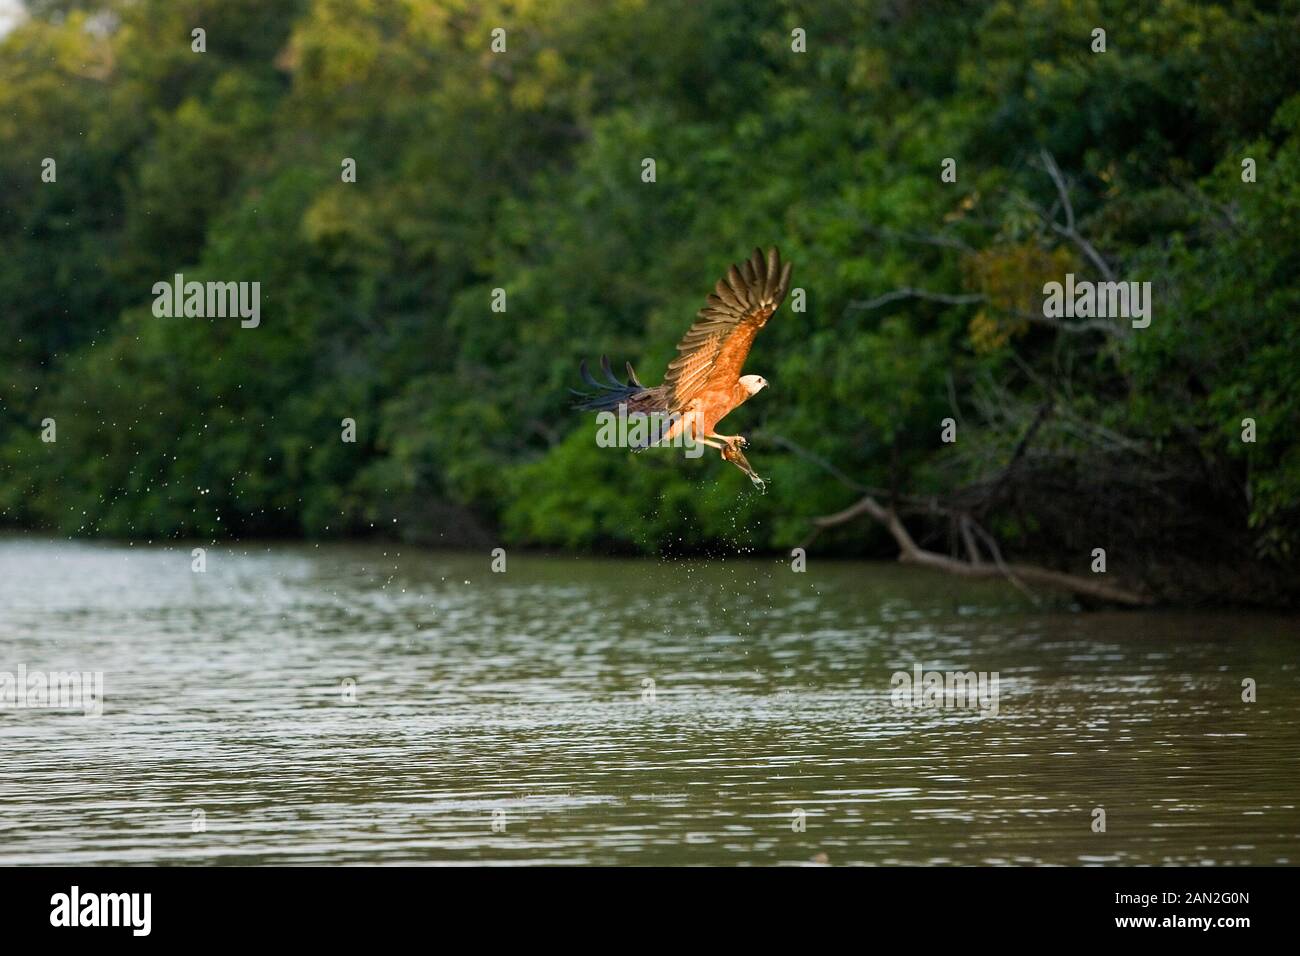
(609, 394)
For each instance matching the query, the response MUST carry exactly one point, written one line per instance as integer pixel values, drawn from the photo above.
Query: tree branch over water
(1019, 575)
(973, 565)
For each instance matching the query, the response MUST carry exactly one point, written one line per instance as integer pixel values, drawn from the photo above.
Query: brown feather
(714, 348)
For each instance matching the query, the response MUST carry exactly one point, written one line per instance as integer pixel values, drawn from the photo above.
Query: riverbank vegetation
(1173, 157)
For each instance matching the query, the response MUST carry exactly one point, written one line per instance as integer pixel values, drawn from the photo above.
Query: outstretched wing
(713, 350)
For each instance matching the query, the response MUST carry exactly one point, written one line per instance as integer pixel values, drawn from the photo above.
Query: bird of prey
(703, 384)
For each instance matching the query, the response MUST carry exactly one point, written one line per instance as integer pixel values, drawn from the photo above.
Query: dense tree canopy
(521, 170)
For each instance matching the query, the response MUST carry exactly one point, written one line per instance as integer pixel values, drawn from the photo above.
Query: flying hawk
(703, 384)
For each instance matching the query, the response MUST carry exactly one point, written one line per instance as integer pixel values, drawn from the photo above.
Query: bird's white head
(753, 383)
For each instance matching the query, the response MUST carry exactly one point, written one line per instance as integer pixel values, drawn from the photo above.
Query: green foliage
(521, 171)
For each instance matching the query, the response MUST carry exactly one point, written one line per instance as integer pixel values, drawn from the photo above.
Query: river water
(310, 704)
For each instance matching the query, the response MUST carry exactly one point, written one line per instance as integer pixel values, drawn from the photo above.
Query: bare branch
(970, 298)
(1002, 565)
(1043, 411)
(1091, 325)
(1049, 163)
(943, 242)
(909, 293)
(911, 553)
(783, 442)
(968, 538)
(952, 398)
(1068, 230)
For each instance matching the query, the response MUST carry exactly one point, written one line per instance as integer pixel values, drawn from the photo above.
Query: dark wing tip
(772, 273)
(784, 285)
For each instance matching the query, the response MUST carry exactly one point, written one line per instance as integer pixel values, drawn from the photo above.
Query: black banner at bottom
(337, 905)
